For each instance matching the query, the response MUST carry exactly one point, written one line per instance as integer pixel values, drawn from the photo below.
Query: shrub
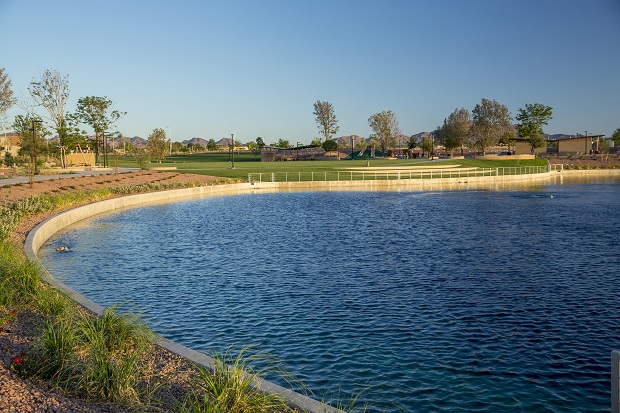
(228, 388)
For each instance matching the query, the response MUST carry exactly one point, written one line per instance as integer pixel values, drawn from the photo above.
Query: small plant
(6, 320)
(57, 349)
(228, 388)
(113, 332)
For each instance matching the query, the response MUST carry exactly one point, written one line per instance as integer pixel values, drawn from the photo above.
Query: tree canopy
(616, 136)
(490, 120)
(455, 129)
(97, 112)
(385, 128)
(156, 144)
(532, 118)
(6, 93)
(330, 145)
(31, 145)
(412, 143)
(325, 119)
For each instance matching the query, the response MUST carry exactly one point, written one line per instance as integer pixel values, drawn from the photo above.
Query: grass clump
(19, 279)
(229, 388)
(109, 354)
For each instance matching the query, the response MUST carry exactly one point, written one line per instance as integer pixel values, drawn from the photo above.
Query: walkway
(25, 179)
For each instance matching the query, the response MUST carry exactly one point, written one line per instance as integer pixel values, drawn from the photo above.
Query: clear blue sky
(208, 68)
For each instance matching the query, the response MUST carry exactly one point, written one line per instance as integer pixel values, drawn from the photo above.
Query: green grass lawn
(218, 164)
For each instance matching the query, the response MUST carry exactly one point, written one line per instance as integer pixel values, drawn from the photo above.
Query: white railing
(615, 381)
(392, 174)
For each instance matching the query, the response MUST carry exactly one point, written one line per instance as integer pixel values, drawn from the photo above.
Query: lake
(427, 301)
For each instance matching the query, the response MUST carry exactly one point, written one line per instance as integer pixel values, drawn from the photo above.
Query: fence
(393, 174)
(615, 381)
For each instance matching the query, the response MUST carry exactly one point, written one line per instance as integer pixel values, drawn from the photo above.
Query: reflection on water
(441, 300)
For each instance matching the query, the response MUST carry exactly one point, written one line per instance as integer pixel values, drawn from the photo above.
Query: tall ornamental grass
(228, 388)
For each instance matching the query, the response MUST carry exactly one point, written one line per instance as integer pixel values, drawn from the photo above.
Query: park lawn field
(218, 164)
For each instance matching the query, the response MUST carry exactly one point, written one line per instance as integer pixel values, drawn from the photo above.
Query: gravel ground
(19, 395)
(586, 161)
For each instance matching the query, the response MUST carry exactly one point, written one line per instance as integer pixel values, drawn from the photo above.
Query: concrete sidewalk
(94, 172)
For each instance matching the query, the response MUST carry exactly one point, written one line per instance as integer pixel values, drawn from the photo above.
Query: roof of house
(566, 138)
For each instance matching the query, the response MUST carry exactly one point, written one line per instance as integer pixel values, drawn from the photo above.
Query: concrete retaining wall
(474, 182)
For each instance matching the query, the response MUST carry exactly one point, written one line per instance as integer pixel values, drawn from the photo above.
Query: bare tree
(51, 92)
(490, 121)
(385, 128)
(6, 93)
(325, 119)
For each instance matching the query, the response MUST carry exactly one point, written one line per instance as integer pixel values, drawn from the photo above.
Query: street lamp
(232, 149)
(104, 152)
(33, 153)
(351, 147)
(170, 139)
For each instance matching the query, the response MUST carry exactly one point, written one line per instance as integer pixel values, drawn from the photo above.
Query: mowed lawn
(218, 164)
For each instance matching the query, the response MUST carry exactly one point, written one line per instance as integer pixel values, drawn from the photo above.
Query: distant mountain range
(139, 142)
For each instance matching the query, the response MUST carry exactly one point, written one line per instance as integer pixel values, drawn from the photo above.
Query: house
(522, 147)
(9, 142)
(579, 145)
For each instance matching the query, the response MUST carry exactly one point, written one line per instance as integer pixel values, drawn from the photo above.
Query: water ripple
(433, 302)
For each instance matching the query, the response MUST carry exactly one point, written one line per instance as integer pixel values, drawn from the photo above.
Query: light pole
(351, 147)
(232, 149)
(33, 154)
(170, 139)
(104, 152)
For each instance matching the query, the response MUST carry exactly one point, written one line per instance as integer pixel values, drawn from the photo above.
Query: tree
(325, 119)
(97, 112)
(455, 129)
(385, 128)
(6, 93)
(157, 145)
(177, 147)
(282, 143)
(532, 119)
(490, 120)
(412, 143)
(428, 144)
(9, 161)
(330, 145)
(51, 92)
(211, 145)
(260, 142)
(31, 146)
(616, 136)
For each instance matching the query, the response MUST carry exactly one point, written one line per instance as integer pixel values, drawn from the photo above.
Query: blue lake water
(431, 301)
